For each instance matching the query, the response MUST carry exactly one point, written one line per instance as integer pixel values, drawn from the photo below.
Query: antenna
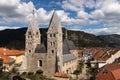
(55, 6)
(66, 35)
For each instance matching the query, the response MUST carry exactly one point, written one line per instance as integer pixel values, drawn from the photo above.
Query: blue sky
(93, 16)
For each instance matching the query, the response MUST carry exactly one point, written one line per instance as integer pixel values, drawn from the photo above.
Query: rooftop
(110, 72)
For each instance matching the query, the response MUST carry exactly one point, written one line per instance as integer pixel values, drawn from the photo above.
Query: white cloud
(15, 11)
(82, 15)
(7, 27)
(104, 31)
(76, 5)
(43, 15)
(106, 11)
(9, 2)
(93, 22)
(111, 6)
(97, 14)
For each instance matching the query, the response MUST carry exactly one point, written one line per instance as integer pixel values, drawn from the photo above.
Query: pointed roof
(55, 19)
(67, 46)
(33, 24)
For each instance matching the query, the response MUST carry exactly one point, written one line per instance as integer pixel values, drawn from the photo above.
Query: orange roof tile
(4, 51)
(116, 74)
(80, 54)
(111, 74)
(60, 74)
(7, 59)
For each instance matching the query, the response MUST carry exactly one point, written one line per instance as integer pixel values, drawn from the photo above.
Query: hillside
(112, 40)
(15, 38)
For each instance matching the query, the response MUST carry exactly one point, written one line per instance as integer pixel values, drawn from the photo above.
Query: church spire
(33, 36)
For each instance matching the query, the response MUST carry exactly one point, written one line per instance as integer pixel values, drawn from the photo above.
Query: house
(102, 56)
(10, 58)
(109, 72)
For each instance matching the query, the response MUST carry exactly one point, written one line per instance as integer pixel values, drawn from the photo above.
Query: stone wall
(48, 63)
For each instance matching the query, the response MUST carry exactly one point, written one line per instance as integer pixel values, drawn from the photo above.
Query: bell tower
(32, 36)
(54, 39)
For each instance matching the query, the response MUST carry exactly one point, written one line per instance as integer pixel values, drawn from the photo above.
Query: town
(57, 57)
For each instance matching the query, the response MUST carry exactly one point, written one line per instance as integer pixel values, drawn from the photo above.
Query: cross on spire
(55, 6)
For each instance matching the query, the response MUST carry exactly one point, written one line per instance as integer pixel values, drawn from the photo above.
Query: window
(40, 63)
(51, 43)
(50, 35)
(29, 51)
(52, 51)
(54, 35)
(105, 71)
(54, 43)
(36, 33)
(29, 33)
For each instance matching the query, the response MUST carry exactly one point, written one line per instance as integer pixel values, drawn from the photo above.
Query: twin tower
(50, 60)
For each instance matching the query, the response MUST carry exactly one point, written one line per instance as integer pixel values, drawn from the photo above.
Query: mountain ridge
(15, 38)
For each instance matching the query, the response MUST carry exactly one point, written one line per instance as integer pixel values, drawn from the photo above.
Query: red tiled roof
(7, 59)
(109, 72)
(9, 52)
(116, 74)
(101, 54)
(80, 54)
(60, 74)
(5, 53)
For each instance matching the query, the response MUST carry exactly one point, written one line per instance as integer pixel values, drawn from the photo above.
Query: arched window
(40, 63)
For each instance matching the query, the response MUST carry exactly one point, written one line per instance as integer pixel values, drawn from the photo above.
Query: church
(58, 56)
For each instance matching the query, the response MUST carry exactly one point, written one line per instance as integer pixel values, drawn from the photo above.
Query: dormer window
(105, 71)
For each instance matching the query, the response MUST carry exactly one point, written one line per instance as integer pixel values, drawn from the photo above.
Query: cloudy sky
(93, 16)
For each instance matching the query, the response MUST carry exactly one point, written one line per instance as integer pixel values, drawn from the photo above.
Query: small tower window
(52, 51)
(36, 33)
(54, 35)
(50, 35)
(51, 43)
(29, 51)
(29, 33)
(40, 63)
(54, 43)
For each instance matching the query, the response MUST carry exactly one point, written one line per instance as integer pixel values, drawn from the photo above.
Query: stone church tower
(51, 59)
(54, 40)
(33, 36)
